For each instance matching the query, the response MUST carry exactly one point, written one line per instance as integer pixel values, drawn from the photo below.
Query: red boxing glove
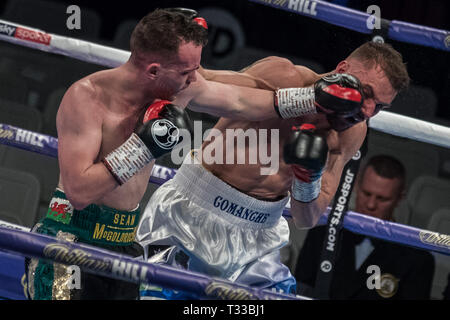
(154, 109)
(301, 173)
(191, 14)
(336, 94)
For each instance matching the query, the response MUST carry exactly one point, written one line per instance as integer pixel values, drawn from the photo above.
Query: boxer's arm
(269, 73)
(230, 101)
(243, 79)
(306, 215)
(79, 124)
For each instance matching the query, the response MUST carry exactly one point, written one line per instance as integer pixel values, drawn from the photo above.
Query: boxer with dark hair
(113, 124)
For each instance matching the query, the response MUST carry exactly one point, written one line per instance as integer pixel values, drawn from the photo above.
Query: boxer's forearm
(307, 215)
(89, 186)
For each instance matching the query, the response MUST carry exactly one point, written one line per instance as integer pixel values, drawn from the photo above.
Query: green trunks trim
(95, 224)
(43, 281)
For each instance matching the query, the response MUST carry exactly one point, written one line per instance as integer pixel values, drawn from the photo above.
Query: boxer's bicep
(79, 134)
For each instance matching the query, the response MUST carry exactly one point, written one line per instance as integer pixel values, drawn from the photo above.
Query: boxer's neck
(132, 87)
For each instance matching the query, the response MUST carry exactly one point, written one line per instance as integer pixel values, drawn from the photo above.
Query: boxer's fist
(161, 127)
(338, 94)
(158, 135)
(307, 152)
(341, 123)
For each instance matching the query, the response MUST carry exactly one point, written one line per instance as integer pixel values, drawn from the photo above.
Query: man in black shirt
(405, 273)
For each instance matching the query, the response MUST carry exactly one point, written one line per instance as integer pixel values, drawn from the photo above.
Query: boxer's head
(381, 185)
(166, 49)
(382, 72)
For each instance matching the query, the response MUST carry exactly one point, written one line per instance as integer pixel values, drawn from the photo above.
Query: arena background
(240, 32)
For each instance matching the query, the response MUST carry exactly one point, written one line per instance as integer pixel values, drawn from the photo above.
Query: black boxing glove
(340, 123)
(337, 94)
(307, 152)
(158, 135)
(161, 127)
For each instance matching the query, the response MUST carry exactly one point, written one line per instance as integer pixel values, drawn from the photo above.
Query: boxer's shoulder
(93, 93)
(282, 73)
(81, 90)
(80, 105)
(278, 72)
(96, 86)
(307, 76)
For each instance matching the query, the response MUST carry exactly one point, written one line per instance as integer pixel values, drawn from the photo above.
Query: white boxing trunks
(224, 232)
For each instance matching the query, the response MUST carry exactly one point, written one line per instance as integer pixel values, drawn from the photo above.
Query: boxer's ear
(342, 66)
(153, 70)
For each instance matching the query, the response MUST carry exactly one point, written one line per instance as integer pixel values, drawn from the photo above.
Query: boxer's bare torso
(247, 177)
(113, 121)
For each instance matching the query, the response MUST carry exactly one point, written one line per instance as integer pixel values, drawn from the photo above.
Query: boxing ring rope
(357, 21)
(111, 57)
(353, 221)
(71, 47)
(102, 262)
(109, 264)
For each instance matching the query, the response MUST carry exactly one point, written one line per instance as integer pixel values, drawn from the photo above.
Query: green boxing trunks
(96, 225)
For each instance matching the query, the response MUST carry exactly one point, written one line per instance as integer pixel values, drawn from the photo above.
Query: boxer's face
(377, 88)
(179, 72)
(377, 196)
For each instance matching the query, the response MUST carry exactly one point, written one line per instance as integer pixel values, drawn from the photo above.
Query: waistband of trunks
(220, 198)
(94, 224)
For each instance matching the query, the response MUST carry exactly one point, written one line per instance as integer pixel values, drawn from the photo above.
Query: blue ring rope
(357, 21)
(353, 221)
(118, 266)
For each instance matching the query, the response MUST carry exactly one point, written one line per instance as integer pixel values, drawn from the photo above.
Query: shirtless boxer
(111, 126)
(225, 220)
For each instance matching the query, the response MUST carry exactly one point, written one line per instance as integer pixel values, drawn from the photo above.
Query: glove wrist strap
(129, 158)
(295, 102)
(306, 191)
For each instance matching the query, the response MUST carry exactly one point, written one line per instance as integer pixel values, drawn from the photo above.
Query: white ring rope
(71, 47)
(406, 127)
(387, 122)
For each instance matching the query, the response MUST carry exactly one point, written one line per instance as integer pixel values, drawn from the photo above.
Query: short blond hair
(390, 60)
